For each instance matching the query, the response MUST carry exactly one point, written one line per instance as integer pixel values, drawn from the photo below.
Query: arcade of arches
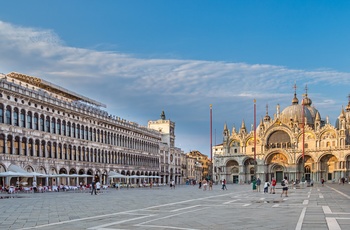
(277, 165)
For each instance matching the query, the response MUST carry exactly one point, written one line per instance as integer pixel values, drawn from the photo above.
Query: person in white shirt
(98, 186)
(34, 186)
(266, 187)
(284, 185)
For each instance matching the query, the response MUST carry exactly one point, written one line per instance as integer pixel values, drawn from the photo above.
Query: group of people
(95, 187)
(206, 184)
(272, 186)
(8, 189)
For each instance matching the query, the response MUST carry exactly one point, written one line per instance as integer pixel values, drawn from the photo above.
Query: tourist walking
(284, 184)
(266, 187)
(210, 185)
(173, 184)
(273, 185)
(224, 185)
(98, 186)
(205, 184)
(34, 186)
(93, 188)
(258, 183)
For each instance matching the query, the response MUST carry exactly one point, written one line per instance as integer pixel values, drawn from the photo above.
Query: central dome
(294, 112)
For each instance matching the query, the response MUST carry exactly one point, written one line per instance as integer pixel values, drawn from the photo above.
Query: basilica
(296, 143)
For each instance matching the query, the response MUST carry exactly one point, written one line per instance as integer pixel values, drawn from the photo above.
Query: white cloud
(185, 87)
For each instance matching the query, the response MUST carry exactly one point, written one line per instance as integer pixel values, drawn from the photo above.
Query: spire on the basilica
(243, 125)
(261, 123)
(318, 116)
(225, 127)
(162, 115)
(226, 133)
(278, 110)
(342, 113)
(295, 100)
(267, 118)
(243, 129)
(348, 107)
(233, 129)
(306, 101)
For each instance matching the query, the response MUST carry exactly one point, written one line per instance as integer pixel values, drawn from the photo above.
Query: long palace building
(47, 129)
(295, 143)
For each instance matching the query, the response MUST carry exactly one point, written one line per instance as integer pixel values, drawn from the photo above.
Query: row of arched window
(48, 149)
(32, 120)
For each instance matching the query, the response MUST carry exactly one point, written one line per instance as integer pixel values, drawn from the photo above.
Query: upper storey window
(1, 113)
(53, 125)
(15, 117)
(42, 126)
(73, 129)
(64, 128)
(22, 119)
(8, 115)
(68, 129)
(58, 125)
(29, 120)
(36, 122)
(47, 126)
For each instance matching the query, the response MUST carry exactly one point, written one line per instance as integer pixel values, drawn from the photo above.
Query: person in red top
(273, 185)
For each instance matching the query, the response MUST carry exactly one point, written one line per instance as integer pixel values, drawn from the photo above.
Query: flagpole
(211, 142)
(303, 148)
(255, 139)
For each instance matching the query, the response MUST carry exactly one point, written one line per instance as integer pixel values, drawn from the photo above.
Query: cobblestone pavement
(185, 207)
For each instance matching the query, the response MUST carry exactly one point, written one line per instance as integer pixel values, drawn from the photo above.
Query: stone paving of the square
(185, 207)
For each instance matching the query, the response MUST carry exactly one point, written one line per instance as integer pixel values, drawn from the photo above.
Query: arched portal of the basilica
(232, 171)
(306, 169)
(328, 168)
(248, 170)
(278, 167)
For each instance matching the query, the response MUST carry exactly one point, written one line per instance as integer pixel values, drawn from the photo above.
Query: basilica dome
(295, 112)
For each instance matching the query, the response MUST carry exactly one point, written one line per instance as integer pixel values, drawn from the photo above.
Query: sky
(142, 57)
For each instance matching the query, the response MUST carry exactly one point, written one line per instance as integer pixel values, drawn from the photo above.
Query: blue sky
(142, 57)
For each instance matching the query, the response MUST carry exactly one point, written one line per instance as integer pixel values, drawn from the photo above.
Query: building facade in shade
(170, 156)
(48, 129)
(295, 143)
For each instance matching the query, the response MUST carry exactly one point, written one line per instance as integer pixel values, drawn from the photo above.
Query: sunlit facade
(48, 129)
(281, 142)
(170, 156)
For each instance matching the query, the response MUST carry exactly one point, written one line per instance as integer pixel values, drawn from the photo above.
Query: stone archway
(232, 171)
(347, 167)
(309, 165)
(328, 167)
(277, 166)
(63, 180)
(248, 170)
(277, 172)
(2, 169)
